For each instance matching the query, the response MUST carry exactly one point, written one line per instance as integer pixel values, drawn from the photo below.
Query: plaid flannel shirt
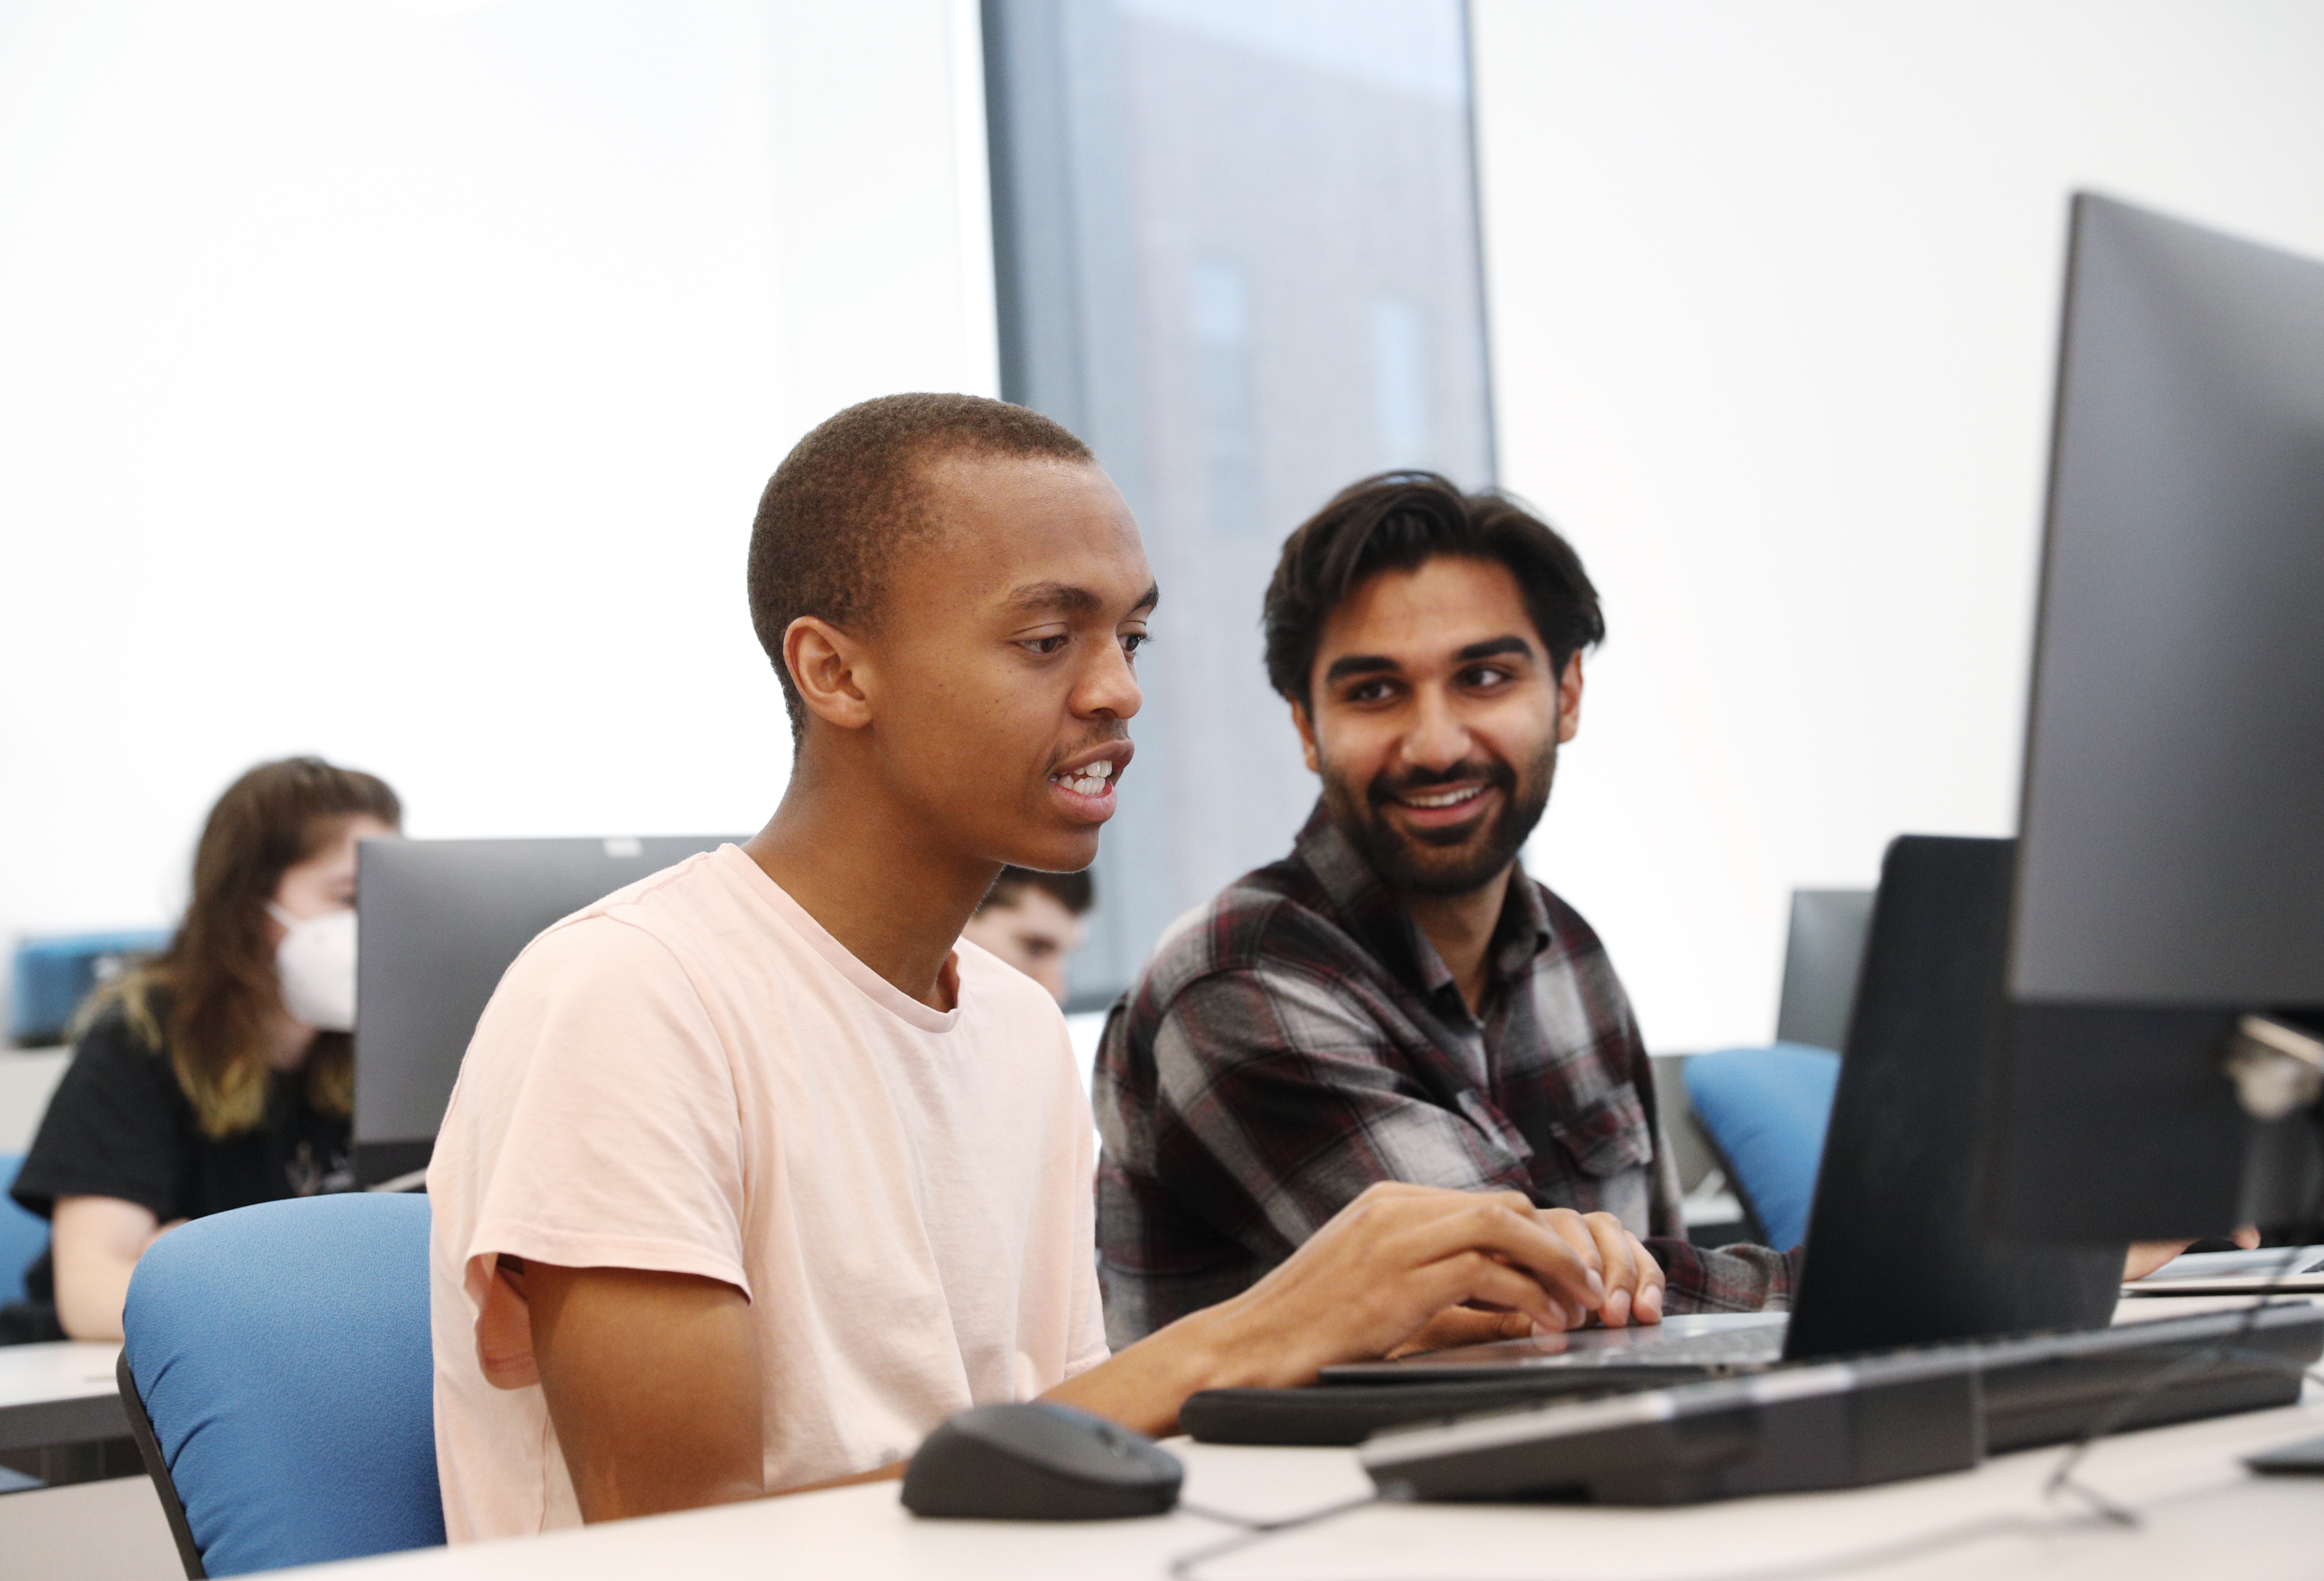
(1301, 1039)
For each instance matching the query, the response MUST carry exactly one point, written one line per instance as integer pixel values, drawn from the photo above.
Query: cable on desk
(1182, 1568)
(2191, 1365)
(1913, 1546)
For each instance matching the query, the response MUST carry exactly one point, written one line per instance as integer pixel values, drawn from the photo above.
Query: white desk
(60, 1394)
(2206, 1520)
(27, 1078)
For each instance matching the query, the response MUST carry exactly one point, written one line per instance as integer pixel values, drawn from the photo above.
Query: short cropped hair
(1073, 890)
(850, 494)
(1398, 521)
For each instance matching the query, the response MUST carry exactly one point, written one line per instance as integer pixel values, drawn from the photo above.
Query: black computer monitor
(438, 922)
(2170, 860)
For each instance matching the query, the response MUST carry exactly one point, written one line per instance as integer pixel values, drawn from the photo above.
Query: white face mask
(316, 965)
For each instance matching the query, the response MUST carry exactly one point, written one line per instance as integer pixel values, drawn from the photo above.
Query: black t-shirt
(119, 1125)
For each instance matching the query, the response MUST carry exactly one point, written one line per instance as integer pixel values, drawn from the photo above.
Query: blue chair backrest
(22, 1236)
(282, 1353)
(51, 976)
(1767, 1109)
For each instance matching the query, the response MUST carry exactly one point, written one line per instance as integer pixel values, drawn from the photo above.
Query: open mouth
(1090, 779)
(1443, 811)
(1436, 800)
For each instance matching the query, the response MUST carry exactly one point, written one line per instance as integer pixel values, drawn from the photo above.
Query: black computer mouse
(1039, 1462)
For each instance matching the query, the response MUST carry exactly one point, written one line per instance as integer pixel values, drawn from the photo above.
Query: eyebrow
(1072, 600)
(1380, 664)
(1493, 647)
(1359, 664)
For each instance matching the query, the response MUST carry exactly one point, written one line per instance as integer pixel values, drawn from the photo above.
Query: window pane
(1237, 252)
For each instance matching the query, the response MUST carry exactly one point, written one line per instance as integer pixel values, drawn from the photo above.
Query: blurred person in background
(222, 1073)
(1033, 920)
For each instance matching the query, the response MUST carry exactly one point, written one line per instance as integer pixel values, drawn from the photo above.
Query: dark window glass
(1237, 252)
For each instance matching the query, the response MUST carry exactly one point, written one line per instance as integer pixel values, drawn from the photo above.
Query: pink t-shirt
(692, 1075)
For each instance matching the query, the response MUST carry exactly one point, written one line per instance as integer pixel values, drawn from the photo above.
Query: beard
(1454, 861)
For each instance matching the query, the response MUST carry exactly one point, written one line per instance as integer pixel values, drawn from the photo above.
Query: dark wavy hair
(206, 1001)
(1396, 521)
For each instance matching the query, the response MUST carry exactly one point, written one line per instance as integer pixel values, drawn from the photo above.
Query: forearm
(97, 1241)
(1143, 1387)
(92, 1288)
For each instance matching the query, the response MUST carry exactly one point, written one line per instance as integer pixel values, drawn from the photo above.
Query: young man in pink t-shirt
(756, 1170)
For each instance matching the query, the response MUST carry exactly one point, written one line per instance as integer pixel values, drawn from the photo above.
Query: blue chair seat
(280, 1357)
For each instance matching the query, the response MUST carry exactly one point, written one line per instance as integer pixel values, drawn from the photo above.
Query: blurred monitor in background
(1033, 920)
(441, 921)
(1822, 962)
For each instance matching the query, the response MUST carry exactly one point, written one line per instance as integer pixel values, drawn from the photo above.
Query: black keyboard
(1853, 1421)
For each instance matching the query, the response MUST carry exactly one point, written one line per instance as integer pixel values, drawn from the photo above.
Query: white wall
(1774, 291)
(396, 381)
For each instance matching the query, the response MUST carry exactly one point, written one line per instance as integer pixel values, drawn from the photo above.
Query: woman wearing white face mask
(221, 1074)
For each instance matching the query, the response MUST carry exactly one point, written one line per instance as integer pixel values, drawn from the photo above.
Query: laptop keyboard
(1723, 1346)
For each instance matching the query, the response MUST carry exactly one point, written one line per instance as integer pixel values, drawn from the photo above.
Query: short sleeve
(597, 1117)
(114, 1127)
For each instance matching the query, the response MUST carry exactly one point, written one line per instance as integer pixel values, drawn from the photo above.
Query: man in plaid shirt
(1396, 1000)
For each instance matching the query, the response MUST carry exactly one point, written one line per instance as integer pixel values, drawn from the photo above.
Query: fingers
(1649, 1306)
(1506, 1225)
(2146, 1256)
(1618, 1255)
(1634, 1280)
(1577, 1234)
(1457, 1325)
(1478, 1277)
(1379, 1275)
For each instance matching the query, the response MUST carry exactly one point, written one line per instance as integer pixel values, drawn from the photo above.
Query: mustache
(1492, 772)
(1120, 733)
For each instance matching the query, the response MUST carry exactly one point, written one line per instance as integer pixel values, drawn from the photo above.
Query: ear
(831, 670)
(1306, 728)
(1568, 699)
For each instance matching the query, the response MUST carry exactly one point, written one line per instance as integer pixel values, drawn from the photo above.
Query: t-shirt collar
(802, 922)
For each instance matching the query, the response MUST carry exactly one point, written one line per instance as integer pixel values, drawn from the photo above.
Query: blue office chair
(1766, 1111)
(277, 1378)
(22, 1236)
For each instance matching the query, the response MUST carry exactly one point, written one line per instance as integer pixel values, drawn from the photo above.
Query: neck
(1460, 928)
(876, 877)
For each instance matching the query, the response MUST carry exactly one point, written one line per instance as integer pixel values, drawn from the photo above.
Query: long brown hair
(218, 973)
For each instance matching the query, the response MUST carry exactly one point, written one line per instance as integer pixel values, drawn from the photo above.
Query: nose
(1437, 739)
(1109, 689)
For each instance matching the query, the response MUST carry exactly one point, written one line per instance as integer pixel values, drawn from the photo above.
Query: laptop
(1896, 1254)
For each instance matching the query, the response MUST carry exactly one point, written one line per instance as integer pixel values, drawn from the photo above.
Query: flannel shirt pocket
(1608, 1136)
